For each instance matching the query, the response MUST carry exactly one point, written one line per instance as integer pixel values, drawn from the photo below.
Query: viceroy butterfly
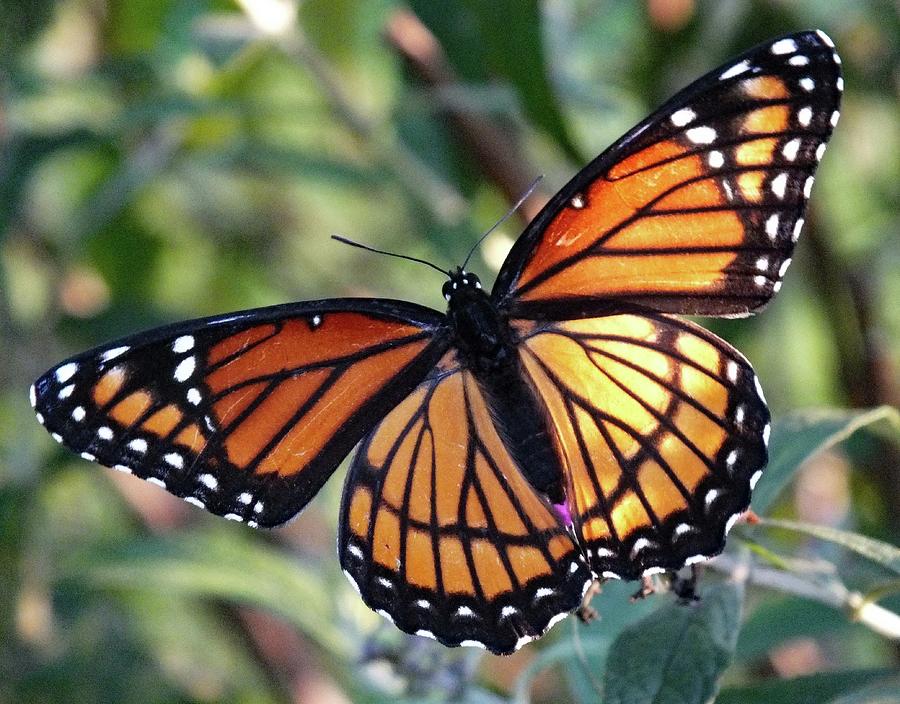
(565, 427)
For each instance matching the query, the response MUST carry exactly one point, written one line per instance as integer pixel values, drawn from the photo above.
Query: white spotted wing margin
(442, 534)
(232, 413)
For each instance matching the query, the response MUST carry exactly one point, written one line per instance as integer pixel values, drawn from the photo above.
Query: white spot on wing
(694, 559)
(804, 116)
(183, 344)
(105, 432)
(78, 413)
(524, 640)
(799, 60)
(469, 643)
(507, 611)
(464, 611)
(760, 280)
(731, 521)
(193, 396)
(421, 632)
(762, 263)
(825, 38)
(66, 391)
(423, 603)
(735, 70)
(797, 227)
(639, 544)
(784, 46)
(40, 418)
(138, 445)
(542, 592)
(352, 581)
(195, 501)
(731, 459)
(682, 117)
(88, 456)
(384, 582)
(246, 497)
(839, 84)
(701, 135)
(731, 370)
(779, 185)
(233, 517)
(66, 372)
(157, 481)
(784, 266)
(807, 83)
(759, 389)
(32, 396)
(185, 368)
(835, 116)
(715, 159)
(174, 459)
(807, 186)
(113, 353)
(767, 433)
(755, 478)
(791, 148)
(711, 496)
(209, 481)
(772, 226)
(683, 528)
(122, 468)
(609, 574)
(651, 571)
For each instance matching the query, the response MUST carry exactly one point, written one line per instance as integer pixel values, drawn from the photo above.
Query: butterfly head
(461, 285)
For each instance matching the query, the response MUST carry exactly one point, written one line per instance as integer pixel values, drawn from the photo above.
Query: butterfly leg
(587, 613)
(686, 588)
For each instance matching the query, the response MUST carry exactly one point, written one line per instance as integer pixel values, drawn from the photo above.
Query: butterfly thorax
(482, 336)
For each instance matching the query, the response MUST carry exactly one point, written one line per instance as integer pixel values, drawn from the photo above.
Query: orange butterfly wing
(442, 534)
(248, 414)
(697, 209)
(662, 428)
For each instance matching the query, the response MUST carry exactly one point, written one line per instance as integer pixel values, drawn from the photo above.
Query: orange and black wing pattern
(662, 427)
(697, 209)
(441, 533)
(248, 414)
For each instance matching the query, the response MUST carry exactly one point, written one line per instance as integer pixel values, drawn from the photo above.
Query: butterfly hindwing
(663, 428)
(697, 209)
(248, 414)
(441, 532)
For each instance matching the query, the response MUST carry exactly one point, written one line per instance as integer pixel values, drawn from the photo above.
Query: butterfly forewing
(441, 532)
(663, 430)
(697, 209)
(246, 415)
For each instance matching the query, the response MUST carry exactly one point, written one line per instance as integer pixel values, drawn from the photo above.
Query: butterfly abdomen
(487, 348)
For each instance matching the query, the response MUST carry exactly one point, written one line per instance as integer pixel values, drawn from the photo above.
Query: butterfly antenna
(339, 238)
(522, 199)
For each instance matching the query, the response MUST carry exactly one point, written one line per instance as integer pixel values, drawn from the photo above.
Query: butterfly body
(566, 426)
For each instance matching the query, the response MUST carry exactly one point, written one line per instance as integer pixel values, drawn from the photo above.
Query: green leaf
(774, 622)
(226, 565)
(875, 550)
(676, 655)
(885, 692)
(798, 436)
(813, 689)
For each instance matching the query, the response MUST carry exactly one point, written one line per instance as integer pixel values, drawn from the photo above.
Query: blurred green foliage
(169, 159)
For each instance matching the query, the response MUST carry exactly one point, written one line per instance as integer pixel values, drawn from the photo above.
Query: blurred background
(167, 159)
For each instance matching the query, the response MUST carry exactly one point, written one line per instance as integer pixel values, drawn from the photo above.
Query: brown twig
(492, 149)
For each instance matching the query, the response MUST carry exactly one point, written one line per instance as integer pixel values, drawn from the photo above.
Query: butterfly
(564, 427)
